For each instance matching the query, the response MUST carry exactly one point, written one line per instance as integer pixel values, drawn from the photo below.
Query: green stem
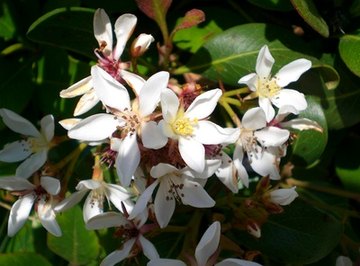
(230, 111)
(232, 101)
(236, 92)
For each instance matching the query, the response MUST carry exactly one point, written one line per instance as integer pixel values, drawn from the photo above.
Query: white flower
(108, 58)
(130, 230)
(205, 252)
(175, 185)
(100, 192)
(131, 121)
(41, 196)
(283, 196)
(190, 128)
(262, 144)
(270, 90)
(33, 149)
(343, 261)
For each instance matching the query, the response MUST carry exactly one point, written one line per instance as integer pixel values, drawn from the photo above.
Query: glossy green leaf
(348, 47)
(23, 259)
(68, 28)
(309, 145)
(278, 5)
(7, 25)
(77, 245)
(348, 165)
(308, 11)
(301, 235)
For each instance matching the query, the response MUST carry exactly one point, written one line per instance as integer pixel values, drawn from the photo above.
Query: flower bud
(283, 196)
(141, 44)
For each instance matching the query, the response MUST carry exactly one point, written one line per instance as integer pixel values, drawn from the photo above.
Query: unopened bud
(254, 229)
(141, 44)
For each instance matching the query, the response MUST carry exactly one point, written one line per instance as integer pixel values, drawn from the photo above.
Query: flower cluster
(163, 147)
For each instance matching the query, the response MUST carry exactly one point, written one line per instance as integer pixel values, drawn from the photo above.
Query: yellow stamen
(267, 88)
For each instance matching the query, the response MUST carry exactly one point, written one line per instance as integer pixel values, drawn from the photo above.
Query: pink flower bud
(141, 44)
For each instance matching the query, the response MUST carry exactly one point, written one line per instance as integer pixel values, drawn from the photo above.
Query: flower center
(175, 190)
(132, 123)
(267, 87)
(249, 142)
(184, 126)
(37, 144)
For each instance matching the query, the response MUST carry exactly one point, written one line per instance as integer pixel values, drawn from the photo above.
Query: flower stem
(230, 111)
(236, 92)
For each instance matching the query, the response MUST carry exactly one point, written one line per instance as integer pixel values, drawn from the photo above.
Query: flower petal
(15, 151)
(19, 213)
(103, 30)
(119, 255)
(193, 153)
(237, 262)
(128, 159)
(204, 104)
(264, 62)
(47, 127)
(18, 124)
(32, 164)
(254, 118)
(116, 195)
(227, 173)
(164, 206)
(149, 96)
(110, 92)
(106, 220)
(94, 128)
(162, 169)
(208, 244)
(86, 102)
(79, 88)
(195, 195)
(272, 136)
(169, 105)
(88, 184)
(283, 196)
(265, 163)
(136, 82)
(302, 124)
(92, 207)
(152, 135)
(290, 97)
(148, 248)
(292, 71)
(208, 132)
(165, 262)
(265, 104)
(15, 183)
(240, 168)
(251, 80)
(69, 122)
(47, 217)
(70, 201)
(50, 184)
(124, 27)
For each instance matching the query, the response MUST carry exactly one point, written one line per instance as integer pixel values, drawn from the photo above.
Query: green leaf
(77, 245)
(68, 28)
(277, 5)
(347, 163)
(23, 259)
(308, 11)
(299, 235)
(7, 25)
(348, 47)
(309, 144)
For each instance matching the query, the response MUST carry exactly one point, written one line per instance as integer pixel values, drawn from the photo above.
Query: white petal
(227, 173)
(124, 27)
(208, 244)
(251, 80)
(94, 128)
(111, 92)
(164, 206)
(86, 102)
(169, 105)
(284, 111)
(283, 196)
(18, 124)
(254, 118)
(92, 207)
(48, 127)
(117, 194)
(69, 122)
(193, 153)
(241, 170)
(208, 132)
(290, 97)
(149, 96)
(70, 201)
(142, 201)
(162, 169)
(343, 261)
(136, 82)
(292, 71)
(15, 183)
(15, 151)
(119, 255)
(265, 104)
(195, 195)
(106, 220)
(204, 104)
(32, 164)
(149, 249)
(165, 262)
(264, 62)
(152, 135)
(272, 136)
(79, 88)
(128, 159)
(237, 262)
(50, 184)
(103, 30)
(265, 163)
(19, 213)
(302, 124)
(88, 184)
(47, 218)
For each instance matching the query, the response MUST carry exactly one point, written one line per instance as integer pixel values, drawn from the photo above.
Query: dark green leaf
(278, 5)
(68, 28)
(77, 245)
(7, 25)
(308, 11)
(23, 259)
(348, 47)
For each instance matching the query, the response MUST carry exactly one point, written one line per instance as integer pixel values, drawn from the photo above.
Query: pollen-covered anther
(184, 126)
(132, 123)
(268, 87)
(175, 192)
